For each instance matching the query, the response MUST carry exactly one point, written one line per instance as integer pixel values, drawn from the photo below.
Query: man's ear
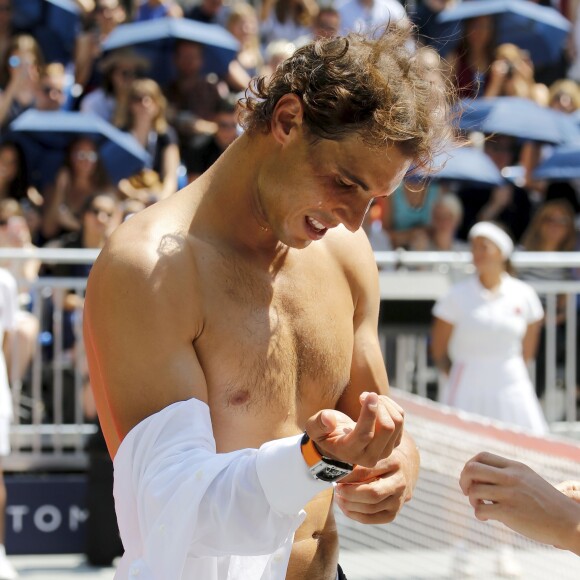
(288, 114)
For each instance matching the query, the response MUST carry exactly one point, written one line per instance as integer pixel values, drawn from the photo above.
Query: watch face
(330, 470)
(332, 473)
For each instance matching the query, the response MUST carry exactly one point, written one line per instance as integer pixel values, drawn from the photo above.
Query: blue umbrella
(541, 30)
(466, 165)
(54, 23)
(517, 117)
(45, 136)
(154, 39)
(563, 164)
(462, 164)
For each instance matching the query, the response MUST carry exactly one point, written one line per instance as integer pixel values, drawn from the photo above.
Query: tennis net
(436, 535)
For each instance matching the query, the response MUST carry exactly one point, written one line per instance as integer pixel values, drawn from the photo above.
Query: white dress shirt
(187, 512)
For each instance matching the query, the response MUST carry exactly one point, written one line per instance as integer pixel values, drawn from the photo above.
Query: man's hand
(376, 495)
(376, 433)
(512, 493)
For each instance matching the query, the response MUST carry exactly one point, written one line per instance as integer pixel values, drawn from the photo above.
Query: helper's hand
(376, 495)
(512, 493)
(376, 433)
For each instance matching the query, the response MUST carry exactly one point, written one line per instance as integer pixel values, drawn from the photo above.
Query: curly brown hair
(375, 87)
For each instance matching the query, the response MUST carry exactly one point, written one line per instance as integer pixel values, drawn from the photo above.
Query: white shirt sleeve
(447, 308)
(177, 498)
(535, 311)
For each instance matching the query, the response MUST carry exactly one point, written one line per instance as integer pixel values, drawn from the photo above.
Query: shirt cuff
(285, 477)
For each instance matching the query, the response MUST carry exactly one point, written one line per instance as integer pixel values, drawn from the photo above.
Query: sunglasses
(96, 211)
(559, 221)
(128, 73)
(48, 91)
(90, 156)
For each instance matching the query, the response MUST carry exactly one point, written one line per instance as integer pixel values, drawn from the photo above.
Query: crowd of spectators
(187, 116)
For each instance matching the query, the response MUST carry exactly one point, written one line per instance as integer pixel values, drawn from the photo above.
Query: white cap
(494, 234)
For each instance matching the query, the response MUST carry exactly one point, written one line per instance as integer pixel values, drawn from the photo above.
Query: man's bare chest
(285, 341)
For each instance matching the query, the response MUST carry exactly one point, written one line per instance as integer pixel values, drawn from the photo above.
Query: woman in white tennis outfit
(485, 330)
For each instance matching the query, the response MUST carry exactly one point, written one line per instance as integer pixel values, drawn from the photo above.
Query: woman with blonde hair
(144, 117)
(243, 24)
(512, 75)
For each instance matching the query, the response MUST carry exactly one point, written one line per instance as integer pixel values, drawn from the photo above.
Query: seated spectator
(512, 75)
(366, 15)
(80, 177)
(152, 9)
(325, 25)
(275, 53)
(441, 235)
(51, 91)
(119, 69)
(407, 212)
(19, 77)
(14, 233)
(508, 204)
(6, 29)
(564, 96)
(99, 217)
(286, 19)
(144, 117)
(107, 15)
(14, 182)
(373, 227)
(208, 11)
(205, 151)
(243, 24)
(472, 58)
(551, 230)
(193, 99)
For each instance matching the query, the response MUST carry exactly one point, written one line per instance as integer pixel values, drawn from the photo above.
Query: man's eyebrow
(353, 178)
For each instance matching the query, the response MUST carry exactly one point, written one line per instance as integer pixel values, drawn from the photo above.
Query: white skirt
(496, 388)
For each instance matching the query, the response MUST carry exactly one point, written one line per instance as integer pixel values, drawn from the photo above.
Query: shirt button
(199, 474)
(135, 571)
(278, 559)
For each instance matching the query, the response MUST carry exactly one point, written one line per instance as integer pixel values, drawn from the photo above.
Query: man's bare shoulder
(353, 253)
(148, 259)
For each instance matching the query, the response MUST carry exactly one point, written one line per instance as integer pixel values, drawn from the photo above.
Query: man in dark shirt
(207, 11)
(204, 151)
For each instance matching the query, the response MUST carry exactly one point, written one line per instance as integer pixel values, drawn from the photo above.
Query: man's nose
(352, 214)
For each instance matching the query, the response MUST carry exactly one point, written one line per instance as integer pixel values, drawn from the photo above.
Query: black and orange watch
(323, 468)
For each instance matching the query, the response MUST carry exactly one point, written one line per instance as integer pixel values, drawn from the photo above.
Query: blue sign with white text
(46, 514)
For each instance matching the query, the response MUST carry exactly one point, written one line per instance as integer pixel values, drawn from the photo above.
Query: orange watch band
(309, 452)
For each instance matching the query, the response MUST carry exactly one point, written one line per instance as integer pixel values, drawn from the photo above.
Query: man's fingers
(321, 424)
(388, 429)
(365, 425)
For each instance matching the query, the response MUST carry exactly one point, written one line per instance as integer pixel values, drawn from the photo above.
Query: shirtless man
(254, 291)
